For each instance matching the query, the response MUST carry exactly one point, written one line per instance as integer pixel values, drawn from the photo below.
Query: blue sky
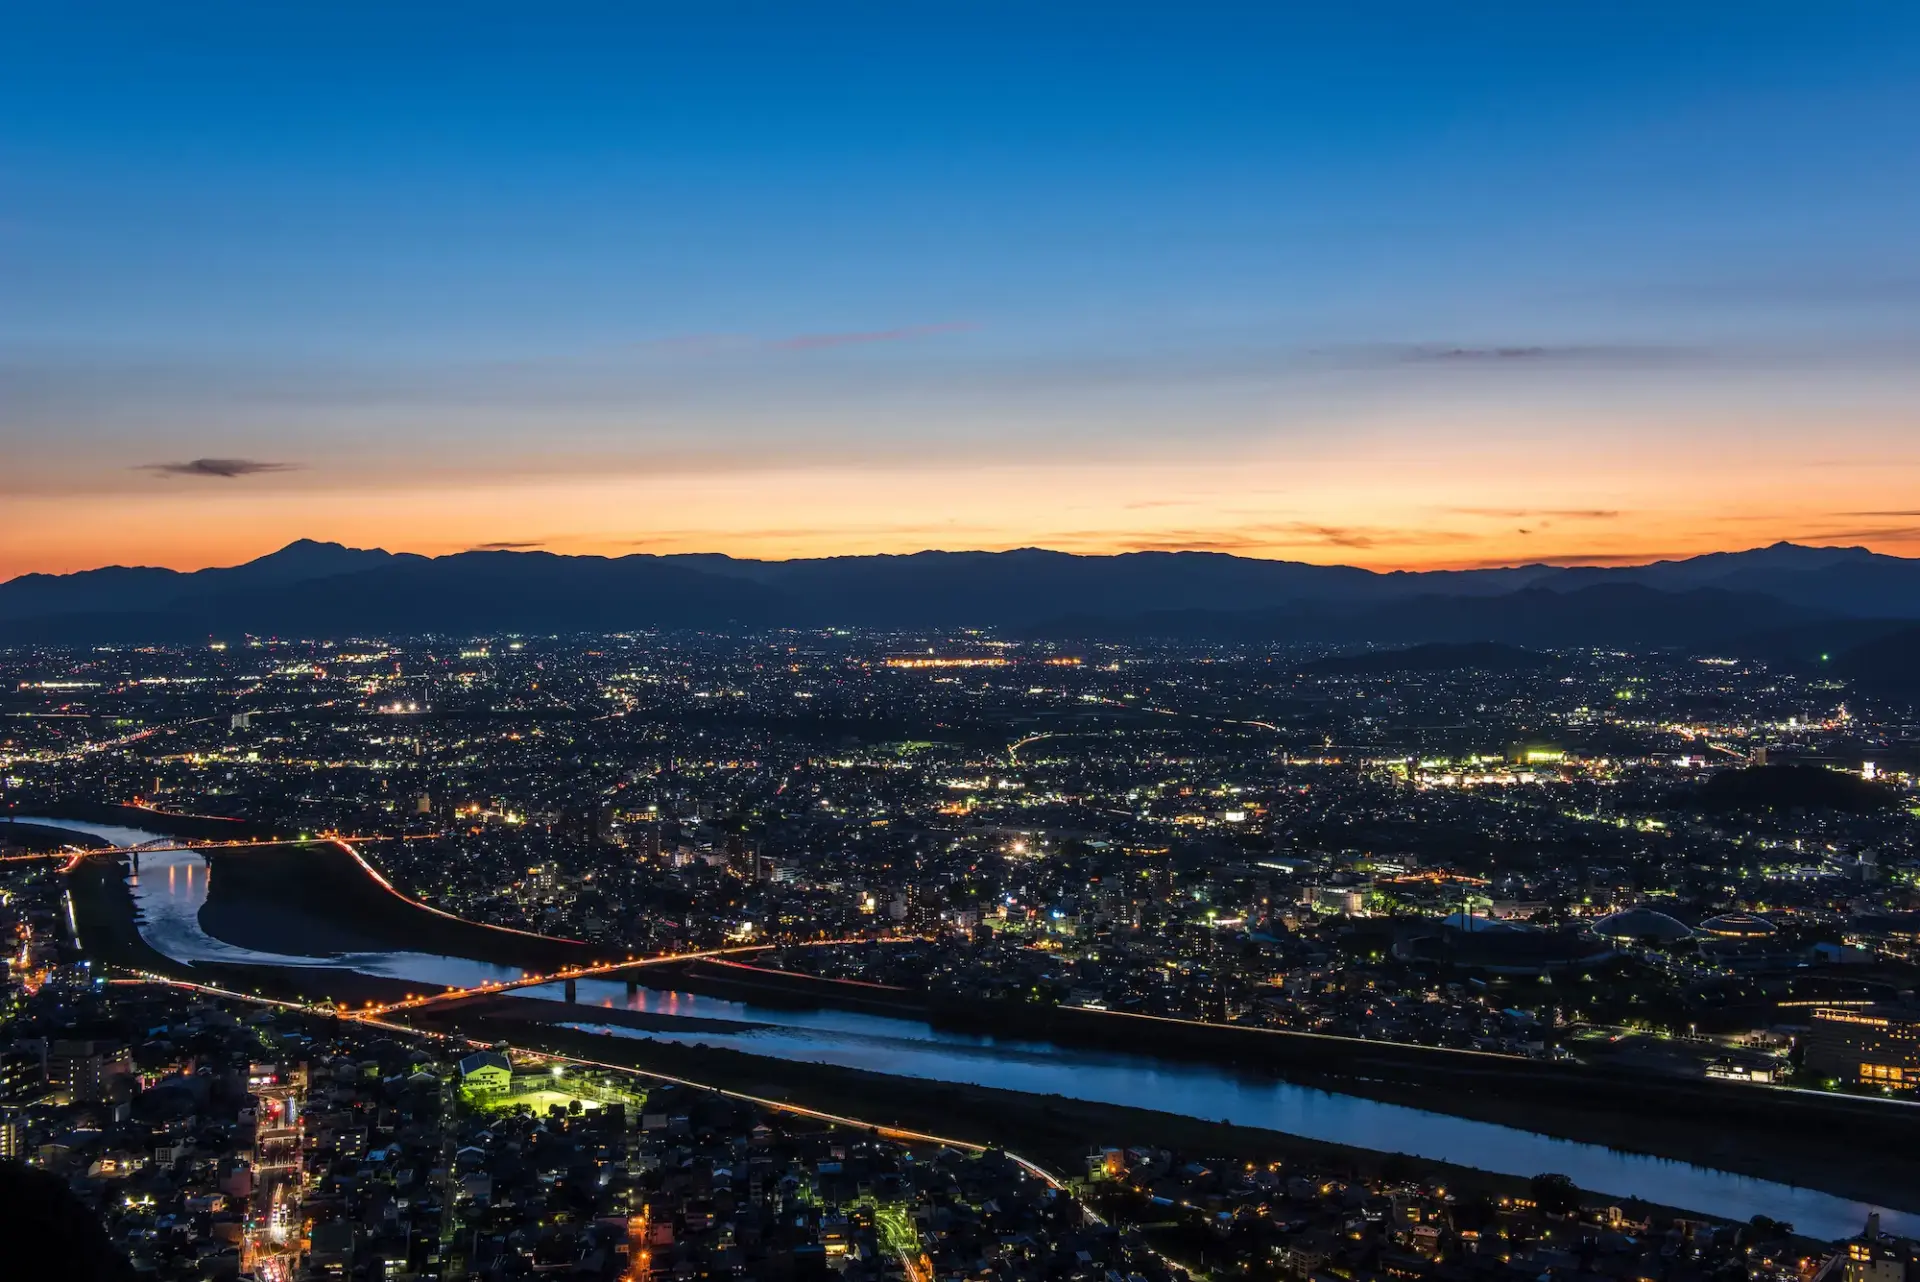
(491, 272)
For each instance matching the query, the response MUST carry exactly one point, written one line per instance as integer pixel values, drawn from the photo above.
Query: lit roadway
(599, 969)
(373, 1020)
(164, 844)
(593, 971)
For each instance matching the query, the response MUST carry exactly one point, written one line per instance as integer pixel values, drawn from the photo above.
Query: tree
(47, 1232)
(1554, 1194)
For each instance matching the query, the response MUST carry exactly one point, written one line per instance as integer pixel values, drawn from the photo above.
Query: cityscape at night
(960, 642)
(837, 948)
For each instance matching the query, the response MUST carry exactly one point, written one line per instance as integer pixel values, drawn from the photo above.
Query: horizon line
(1618, 561)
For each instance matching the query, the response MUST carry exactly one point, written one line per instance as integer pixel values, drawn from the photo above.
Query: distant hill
(1602, 614)
(1813, 646)
(120, 589)
(1844, 581)
(463, 594)
(1438, 656)
(1790, 787)
(1886, 665)
(327, 590)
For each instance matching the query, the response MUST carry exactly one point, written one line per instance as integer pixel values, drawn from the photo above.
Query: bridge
(163, 845)
(239, 843)
(570, 975)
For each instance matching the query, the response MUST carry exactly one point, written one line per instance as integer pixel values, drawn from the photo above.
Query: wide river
(172, 885)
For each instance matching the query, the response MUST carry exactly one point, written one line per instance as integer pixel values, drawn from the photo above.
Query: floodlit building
(486, 1072)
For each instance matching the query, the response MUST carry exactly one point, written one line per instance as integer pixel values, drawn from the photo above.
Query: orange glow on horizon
(1384, 511)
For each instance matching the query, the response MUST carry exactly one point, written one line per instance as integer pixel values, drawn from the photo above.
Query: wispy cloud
(224, 468)
(506, 547)
(1553, 513)
(1869, 534)
(1223, 544)
(852, 338)
(1572, 354)
(1478, 353)
(1261, 537)
(1573, 559)
(713, 345)
(798, 531)
(1502, 355)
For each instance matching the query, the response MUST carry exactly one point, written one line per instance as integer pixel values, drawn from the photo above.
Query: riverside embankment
(1724, 1165)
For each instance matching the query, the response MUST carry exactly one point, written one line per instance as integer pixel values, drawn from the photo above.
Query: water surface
(172, 886)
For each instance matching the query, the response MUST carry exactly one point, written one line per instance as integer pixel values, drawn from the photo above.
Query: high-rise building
(86, 1069)
(1874, 1046)
(23, 1073)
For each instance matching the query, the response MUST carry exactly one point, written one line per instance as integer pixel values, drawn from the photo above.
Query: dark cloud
(505, 547)
(225, 468)
(1895, 512)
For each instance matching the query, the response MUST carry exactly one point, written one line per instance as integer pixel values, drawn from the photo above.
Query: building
(1876, 1046)
(1870, 1257)
(22, 1074)
(486, 1073)
(86, 1069)
(1351, 900)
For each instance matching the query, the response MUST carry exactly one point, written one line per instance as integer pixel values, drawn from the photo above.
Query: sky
(1395, 285)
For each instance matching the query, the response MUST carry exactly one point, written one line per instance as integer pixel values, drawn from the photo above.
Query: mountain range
(1804, 600)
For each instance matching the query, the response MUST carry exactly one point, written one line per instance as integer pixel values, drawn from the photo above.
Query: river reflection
(172, 887)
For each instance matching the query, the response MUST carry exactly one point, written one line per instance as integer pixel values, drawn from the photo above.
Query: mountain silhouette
(314, 589)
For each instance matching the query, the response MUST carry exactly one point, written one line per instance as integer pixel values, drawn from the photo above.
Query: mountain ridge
(316, 588)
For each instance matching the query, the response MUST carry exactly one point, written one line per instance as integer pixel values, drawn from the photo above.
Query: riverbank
(40, 839)
(506, 1007)
(1052, 1130)
(316, 899)
(104, 916)
(1782, 1136)
(164, 823)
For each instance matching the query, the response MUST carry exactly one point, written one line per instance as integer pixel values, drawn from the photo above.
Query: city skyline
(1389, 288)
(890, 642)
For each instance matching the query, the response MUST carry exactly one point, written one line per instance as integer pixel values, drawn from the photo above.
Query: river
(172, 885)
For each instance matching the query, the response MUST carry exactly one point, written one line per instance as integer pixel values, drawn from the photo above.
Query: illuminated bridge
(599, 970)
